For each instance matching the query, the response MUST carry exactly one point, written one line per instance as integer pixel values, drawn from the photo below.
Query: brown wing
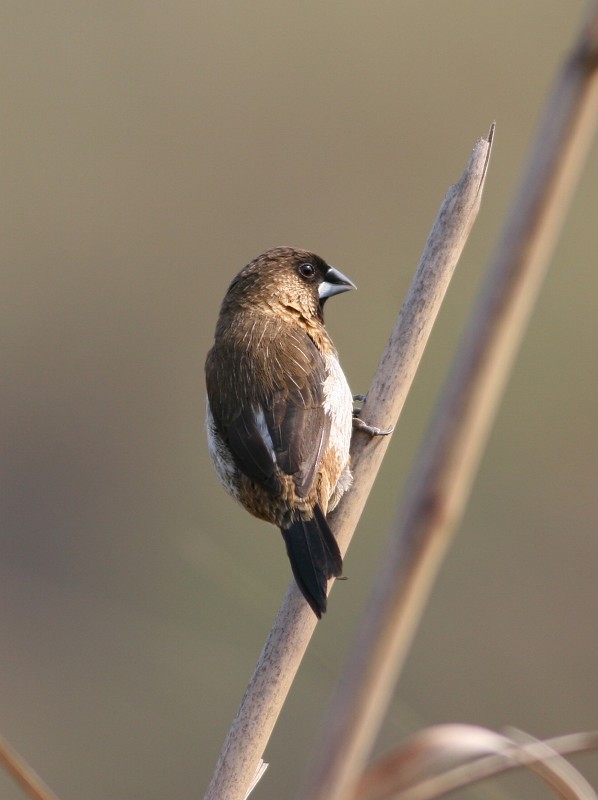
(299, 427)
(282, 428)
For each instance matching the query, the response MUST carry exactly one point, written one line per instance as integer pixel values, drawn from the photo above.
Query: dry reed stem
(295, 622)
(441, 480)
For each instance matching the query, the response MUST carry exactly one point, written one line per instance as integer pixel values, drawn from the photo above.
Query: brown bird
(279, 414)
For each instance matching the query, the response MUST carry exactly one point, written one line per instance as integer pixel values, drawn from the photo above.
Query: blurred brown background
(150, 150)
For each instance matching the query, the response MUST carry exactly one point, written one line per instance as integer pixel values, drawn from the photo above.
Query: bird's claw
(360, 425)
(371, 430)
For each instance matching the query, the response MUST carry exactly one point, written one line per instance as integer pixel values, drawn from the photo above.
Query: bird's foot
(371, 430)
(360, 425)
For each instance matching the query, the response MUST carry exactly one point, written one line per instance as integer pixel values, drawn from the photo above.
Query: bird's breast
(338, 404)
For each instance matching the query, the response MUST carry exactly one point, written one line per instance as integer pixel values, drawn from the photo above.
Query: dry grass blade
(438, 490)
(567, 781)
(447, 757)
(23, 774)
(295, 622)
(486, 767)
(428, 753)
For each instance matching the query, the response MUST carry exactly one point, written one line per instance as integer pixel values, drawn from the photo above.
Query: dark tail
(314, 556)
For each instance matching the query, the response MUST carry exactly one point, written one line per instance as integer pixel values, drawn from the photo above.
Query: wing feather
(281, 423)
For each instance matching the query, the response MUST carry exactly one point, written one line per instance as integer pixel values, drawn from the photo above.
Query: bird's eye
(307, 270)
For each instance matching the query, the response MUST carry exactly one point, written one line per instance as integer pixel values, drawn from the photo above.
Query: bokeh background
(149, 151)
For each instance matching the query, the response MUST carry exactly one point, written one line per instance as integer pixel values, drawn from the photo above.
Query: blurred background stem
(24, 775)
(441, 481)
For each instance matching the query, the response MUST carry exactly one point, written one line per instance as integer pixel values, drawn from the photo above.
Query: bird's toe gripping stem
(360, 425)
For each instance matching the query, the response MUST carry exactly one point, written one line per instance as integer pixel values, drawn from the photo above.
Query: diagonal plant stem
(295, 623)
(441, 480)
(29, 781)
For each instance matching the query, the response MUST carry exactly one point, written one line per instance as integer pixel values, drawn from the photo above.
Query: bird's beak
(334, 283)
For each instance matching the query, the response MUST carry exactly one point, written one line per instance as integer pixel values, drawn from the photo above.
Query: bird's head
(286, 280)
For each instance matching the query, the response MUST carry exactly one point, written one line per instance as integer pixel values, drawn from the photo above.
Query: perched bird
(279, 414)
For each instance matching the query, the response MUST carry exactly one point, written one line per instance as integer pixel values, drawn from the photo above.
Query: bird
(279, 413)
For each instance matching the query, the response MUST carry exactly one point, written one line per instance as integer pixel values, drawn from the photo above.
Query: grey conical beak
(334, 283)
